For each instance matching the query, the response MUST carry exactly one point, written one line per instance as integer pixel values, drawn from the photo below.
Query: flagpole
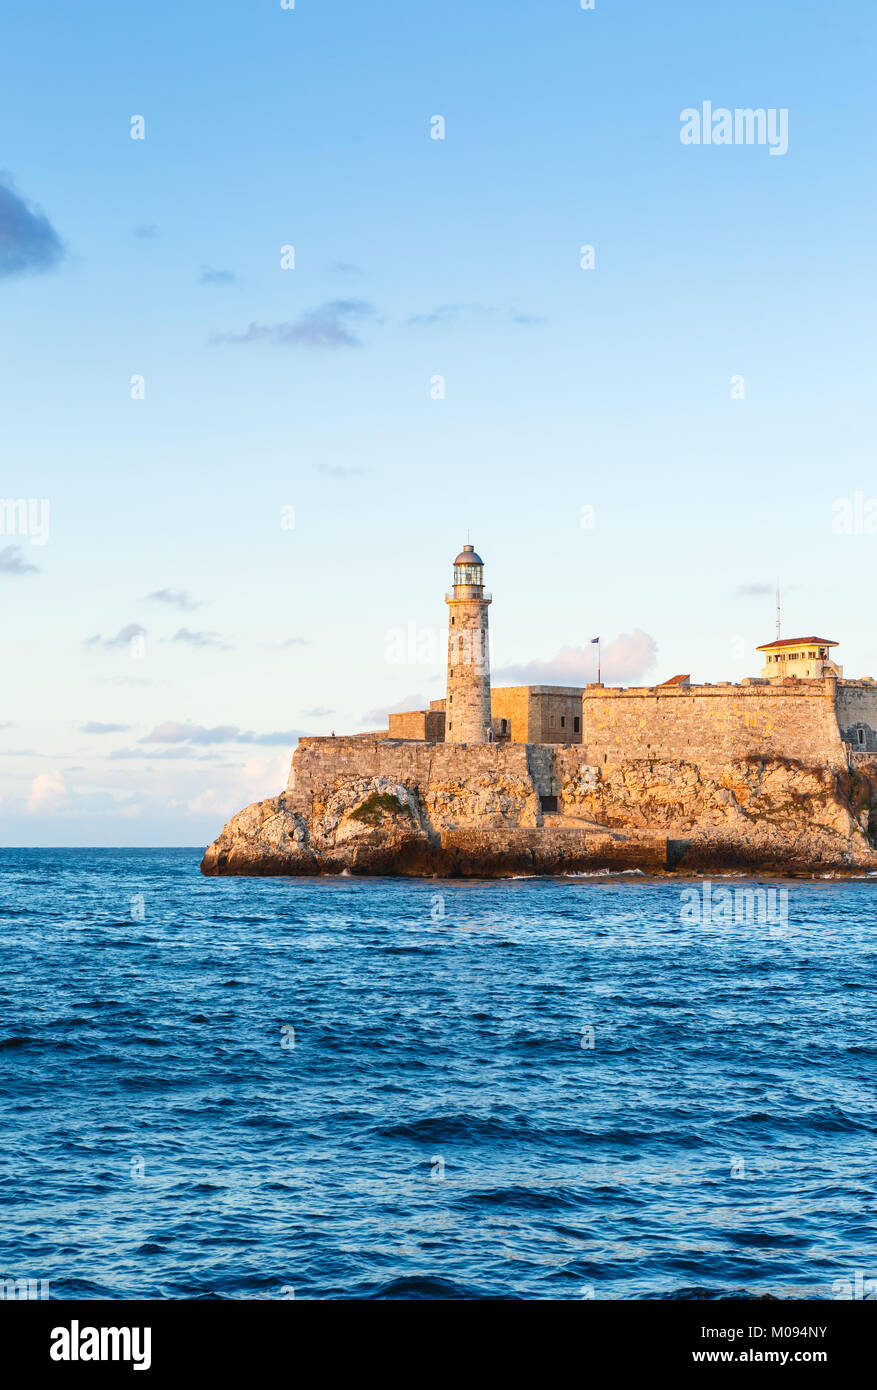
(599, 681)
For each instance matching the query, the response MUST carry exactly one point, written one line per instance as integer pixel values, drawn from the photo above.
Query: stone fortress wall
(424, 724)
(537, 713)
(856, 706)
(815, 723)
(512, 775)
(796, 719)
(519, 714)
(793, 718)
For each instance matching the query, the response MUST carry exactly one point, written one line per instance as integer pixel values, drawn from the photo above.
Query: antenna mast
(778, 610)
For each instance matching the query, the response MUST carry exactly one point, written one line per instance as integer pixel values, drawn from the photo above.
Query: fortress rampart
(798, 719)
(659, 740)
(318, 764)
(829, 722)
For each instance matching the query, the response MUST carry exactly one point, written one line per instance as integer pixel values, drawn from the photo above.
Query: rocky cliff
(390, 807)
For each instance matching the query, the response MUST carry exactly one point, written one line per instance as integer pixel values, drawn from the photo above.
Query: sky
(250, 467)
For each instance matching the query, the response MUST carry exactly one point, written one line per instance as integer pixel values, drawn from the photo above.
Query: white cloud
(47, 793)
(377, 718)
(256, 780)
(625, 661)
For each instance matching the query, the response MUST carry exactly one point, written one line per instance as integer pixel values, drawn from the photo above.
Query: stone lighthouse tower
(467, 709)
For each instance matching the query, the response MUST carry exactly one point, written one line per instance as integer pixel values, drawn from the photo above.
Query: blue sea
(353, 1088)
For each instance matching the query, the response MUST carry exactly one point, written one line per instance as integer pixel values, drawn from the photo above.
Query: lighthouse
(467, 708)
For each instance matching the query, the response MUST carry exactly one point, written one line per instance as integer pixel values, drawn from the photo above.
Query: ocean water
(243, 1088)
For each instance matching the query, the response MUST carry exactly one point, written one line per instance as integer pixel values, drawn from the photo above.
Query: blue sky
(309, 388)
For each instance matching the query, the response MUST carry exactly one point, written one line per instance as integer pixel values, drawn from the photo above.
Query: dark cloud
(450, 313)
(121, 639)
(178, 598)
(171, 732)
(447, 313)
(333, 470)
(330, 326)
(94, 727)
(318, 712)
(126, 635)
(11, 558)
(175, 751)
(209, 276)
(200, 639)
(29, 243)
(755, 590)
(279, 738)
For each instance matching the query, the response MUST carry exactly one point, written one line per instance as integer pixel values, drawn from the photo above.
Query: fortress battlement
(827, 723)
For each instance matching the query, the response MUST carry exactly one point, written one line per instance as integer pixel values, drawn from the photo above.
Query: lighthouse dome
(467, 556)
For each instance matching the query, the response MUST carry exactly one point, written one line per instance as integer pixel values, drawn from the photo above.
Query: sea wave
(558, 1086)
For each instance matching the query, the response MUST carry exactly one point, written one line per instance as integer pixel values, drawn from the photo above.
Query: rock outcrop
(387, 807)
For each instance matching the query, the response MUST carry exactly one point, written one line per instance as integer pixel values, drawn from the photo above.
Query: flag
(593, 640)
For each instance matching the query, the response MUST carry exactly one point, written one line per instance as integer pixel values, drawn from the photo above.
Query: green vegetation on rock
(379, 804)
